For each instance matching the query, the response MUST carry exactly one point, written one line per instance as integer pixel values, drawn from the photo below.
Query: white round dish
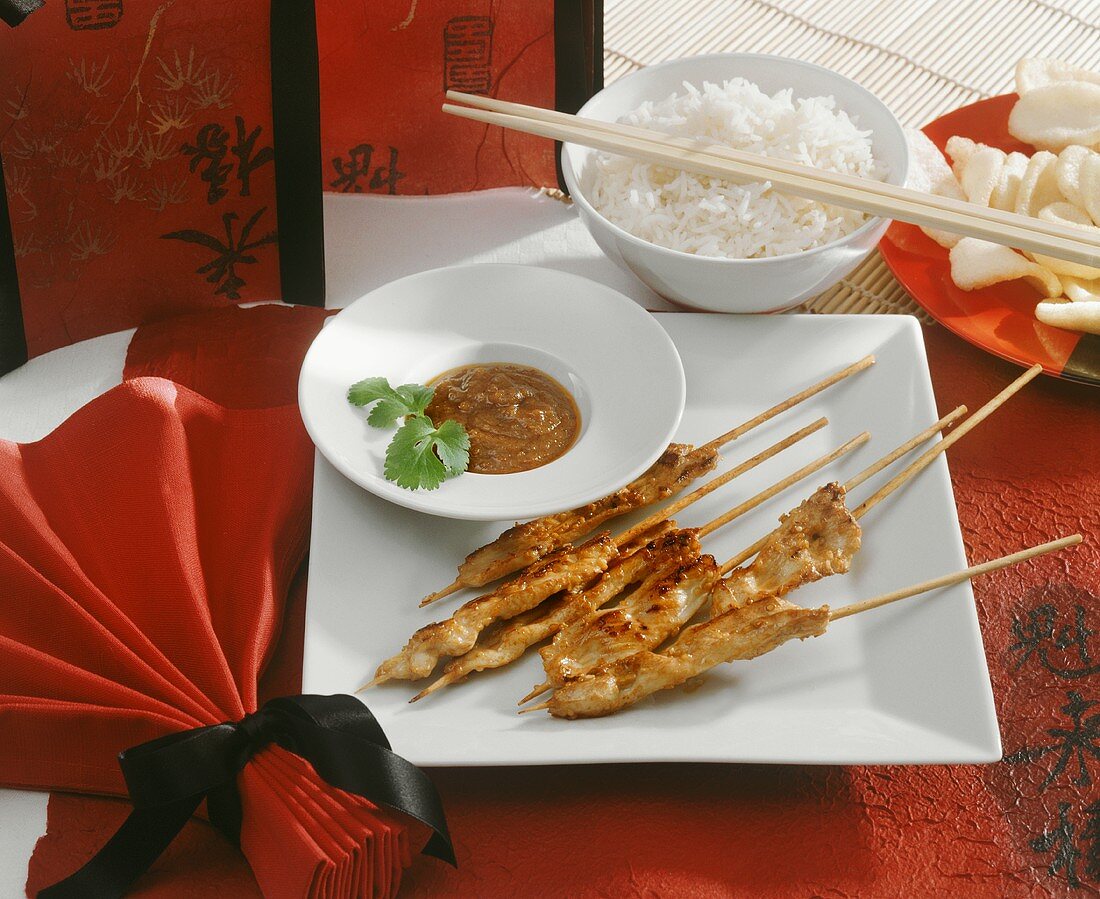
(769, 284)
(618, 363)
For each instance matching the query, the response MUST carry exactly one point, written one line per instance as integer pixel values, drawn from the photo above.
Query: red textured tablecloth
(1029, 825)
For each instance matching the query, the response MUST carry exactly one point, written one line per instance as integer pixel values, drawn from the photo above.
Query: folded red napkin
(151, 541)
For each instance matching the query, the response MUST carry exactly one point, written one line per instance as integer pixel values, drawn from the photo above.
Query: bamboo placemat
(922, 57)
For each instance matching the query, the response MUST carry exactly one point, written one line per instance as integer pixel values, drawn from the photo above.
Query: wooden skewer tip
(439, 594)
(538, 691)
(534, 708)
(438, 684)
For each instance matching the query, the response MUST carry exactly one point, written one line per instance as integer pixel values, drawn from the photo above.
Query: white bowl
(769, 284)
(612, 355)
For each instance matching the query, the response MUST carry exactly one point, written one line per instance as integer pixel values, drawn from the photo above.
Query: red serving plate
(1000, 318)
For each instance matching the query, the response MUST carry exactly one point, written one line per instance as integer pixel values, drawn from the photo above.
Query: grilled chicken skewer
(740, 633)
(524, 544)
(734, 563)
(816, 540)
(643, 620)
(712, 485)
(512, 638)
(510, 642)
(564, 569)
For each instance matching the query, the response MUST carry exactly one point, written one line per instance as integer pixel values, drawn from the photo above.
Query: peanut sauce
(518, 417)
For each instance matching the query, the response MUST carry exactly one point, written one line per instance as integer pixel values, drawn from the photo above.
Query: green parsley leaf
(392, 403)
(422, 456)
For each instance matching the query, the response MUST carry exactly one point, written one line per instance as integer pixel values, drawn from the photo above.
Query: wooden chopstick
(865, 195)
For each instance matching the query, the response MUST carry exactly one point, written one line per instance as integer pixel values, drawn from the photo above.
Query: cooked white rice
(712, 217)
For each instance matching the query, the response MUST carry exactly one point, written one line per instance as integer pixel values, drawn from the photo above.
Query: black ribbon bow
(169, 777)
(15, 11)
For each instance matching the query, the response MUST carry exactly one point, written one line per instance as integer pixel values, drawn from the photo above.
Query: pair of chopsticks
(866, 195)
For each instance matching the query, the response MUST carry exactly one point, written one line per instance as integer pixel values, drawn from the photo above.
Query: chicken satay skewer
(668, 511)
(524, 545)
(509, 645)
(922, 461)
(783, 561)
(869, 472)
(555, 657)
(520, 634)
(767, 625)
(497, 558)
(566, 569)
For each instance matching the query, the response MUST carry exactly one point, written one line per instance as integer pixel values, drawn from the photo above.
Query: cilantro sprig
(421, 456)
(392, 403)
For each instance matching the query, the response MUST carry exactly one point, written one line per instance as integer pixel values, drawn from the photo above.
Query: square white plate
(903, 684)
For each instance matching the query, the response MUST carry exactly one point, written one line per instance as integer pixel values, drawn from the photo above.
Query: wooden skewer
(772, 491)
(709, 487)
(668, 511)
(929, 455)
(864, 194)
(752, 503)
(945, 580)
(958, 577)
(778, 408)
(921, 463)
(535, 708)
(444, 680)
(723, 439)
(870, 471)
(890, 458)
(537, 691)
(782, 485)
(453, 587)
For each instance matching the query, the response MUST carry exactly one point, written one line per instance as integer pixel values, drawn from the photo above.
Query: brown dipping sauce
(518, 417)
